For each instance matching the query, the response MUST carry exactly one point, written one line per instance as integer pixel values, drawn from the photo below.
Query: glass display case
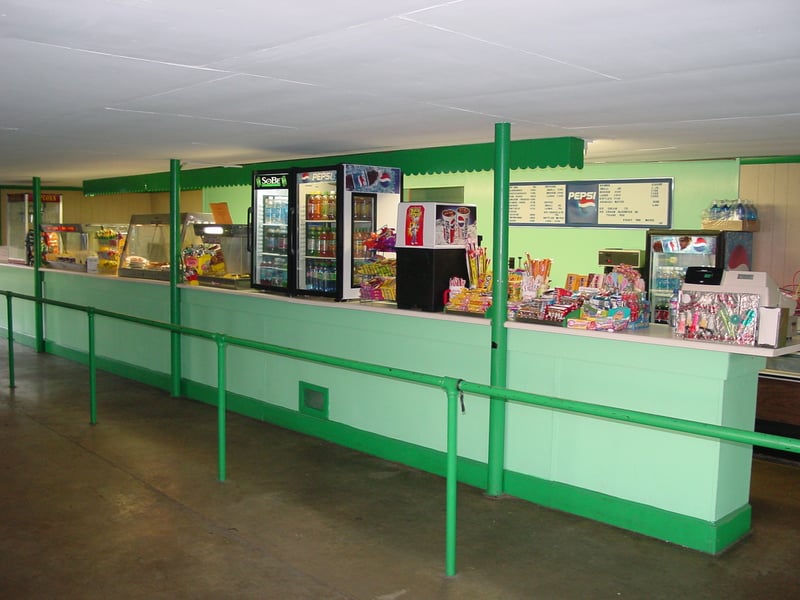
(222, 260)
(146, 251)
(82, 247)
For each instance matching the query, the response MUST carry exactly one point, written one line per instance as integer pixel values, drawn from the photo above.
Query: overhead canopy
(525, 154)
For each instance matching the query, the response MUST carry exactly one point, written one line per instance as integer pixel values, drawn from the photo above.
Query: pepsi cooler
(670, 252)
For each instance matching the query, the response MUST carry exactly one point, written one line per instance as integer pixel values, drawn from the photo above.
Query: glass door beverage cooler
(671, 252)
(316, 244)
(271, 230)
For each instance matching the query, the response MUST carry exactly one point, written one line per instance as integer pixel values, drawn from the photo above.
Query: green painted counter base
(708, 537)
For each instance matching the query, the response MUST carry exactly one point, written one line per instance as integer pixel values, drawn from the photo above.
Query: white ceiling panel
(184, 31)
(40, 81)
(98, 89)
(402, 58)
(629, 39)
(266, 102)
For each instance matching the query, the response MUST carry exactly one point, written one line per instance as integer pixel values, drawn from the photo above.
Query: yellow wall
(118, 208)
(107, 210)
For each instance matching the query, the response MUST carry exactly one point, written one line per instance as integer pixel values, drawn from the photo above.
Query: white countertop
(660, 335)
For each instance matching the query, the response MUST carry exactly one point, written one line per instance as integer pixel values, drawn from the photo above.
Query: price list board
(645, 203)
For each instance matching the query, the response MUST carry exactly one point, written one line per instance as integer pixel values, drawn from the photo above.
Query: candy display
(469, 301)
(614, 302)
(379, 288)
(478, 267)
(206, 259)
(730, 318)
(378, 279)
(378, 273)
(381, 241)
(536, 277)
(624, 278)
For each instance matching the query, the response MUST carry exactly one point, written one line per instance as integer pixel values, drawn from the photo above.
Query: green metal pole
(451, 386)
(10, 325)
(92, 371)
(174, 273)
(497, 406)
(221, 405)
(38, 277)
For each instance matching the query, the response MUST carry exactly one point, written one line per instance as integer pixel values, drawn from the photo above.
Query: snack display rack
(378, 279)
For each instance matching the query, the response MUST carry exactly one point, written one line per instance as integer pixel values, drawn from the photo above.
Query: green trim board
(683, 530)
(531, 154)
(769, 160)
(19, 338)
(690, 532)
(115, 367)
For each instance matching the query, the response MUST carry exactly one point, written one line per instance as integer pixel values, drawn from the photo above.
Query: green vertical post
(174, 274)
(497, 406)
(221, 405)
(92, 370)
(452, 476)
(10, 326)
(38, 276)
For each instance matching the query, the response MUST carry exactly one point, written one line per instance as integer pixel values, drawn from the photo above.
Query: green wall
(237, 197)
(574, 250)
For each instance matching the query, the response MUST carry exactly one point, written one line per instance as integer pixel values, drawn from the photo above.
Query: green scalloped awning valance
(524, 154)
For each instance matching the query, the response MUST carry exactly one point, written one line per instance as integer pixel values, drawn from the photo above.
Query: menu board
(645, 203)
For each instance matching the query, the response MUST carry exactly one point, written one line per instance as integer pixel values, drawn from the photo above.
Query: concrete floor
(131, 508)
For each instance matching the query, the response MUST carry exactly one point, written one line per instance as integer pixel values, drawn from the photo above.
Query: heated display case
(146, 251)
(223, 258)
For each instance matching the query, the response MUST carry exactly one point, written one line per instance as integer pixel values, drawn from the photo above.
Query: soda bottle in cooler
(310, 207)
(332, 205)
(310, 275)
(323, 241)
(331, 241)
(323, 206)
(267, 239)
(262, 272)
(315, 276)
(321, 277)
(311, 241)
(284, 210)
(318, 206)
(267, 209)
(281, 240)
(333, 276)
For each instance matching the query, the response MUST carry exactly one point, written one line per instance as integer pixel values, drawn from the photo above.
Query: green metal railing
(453, 388)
